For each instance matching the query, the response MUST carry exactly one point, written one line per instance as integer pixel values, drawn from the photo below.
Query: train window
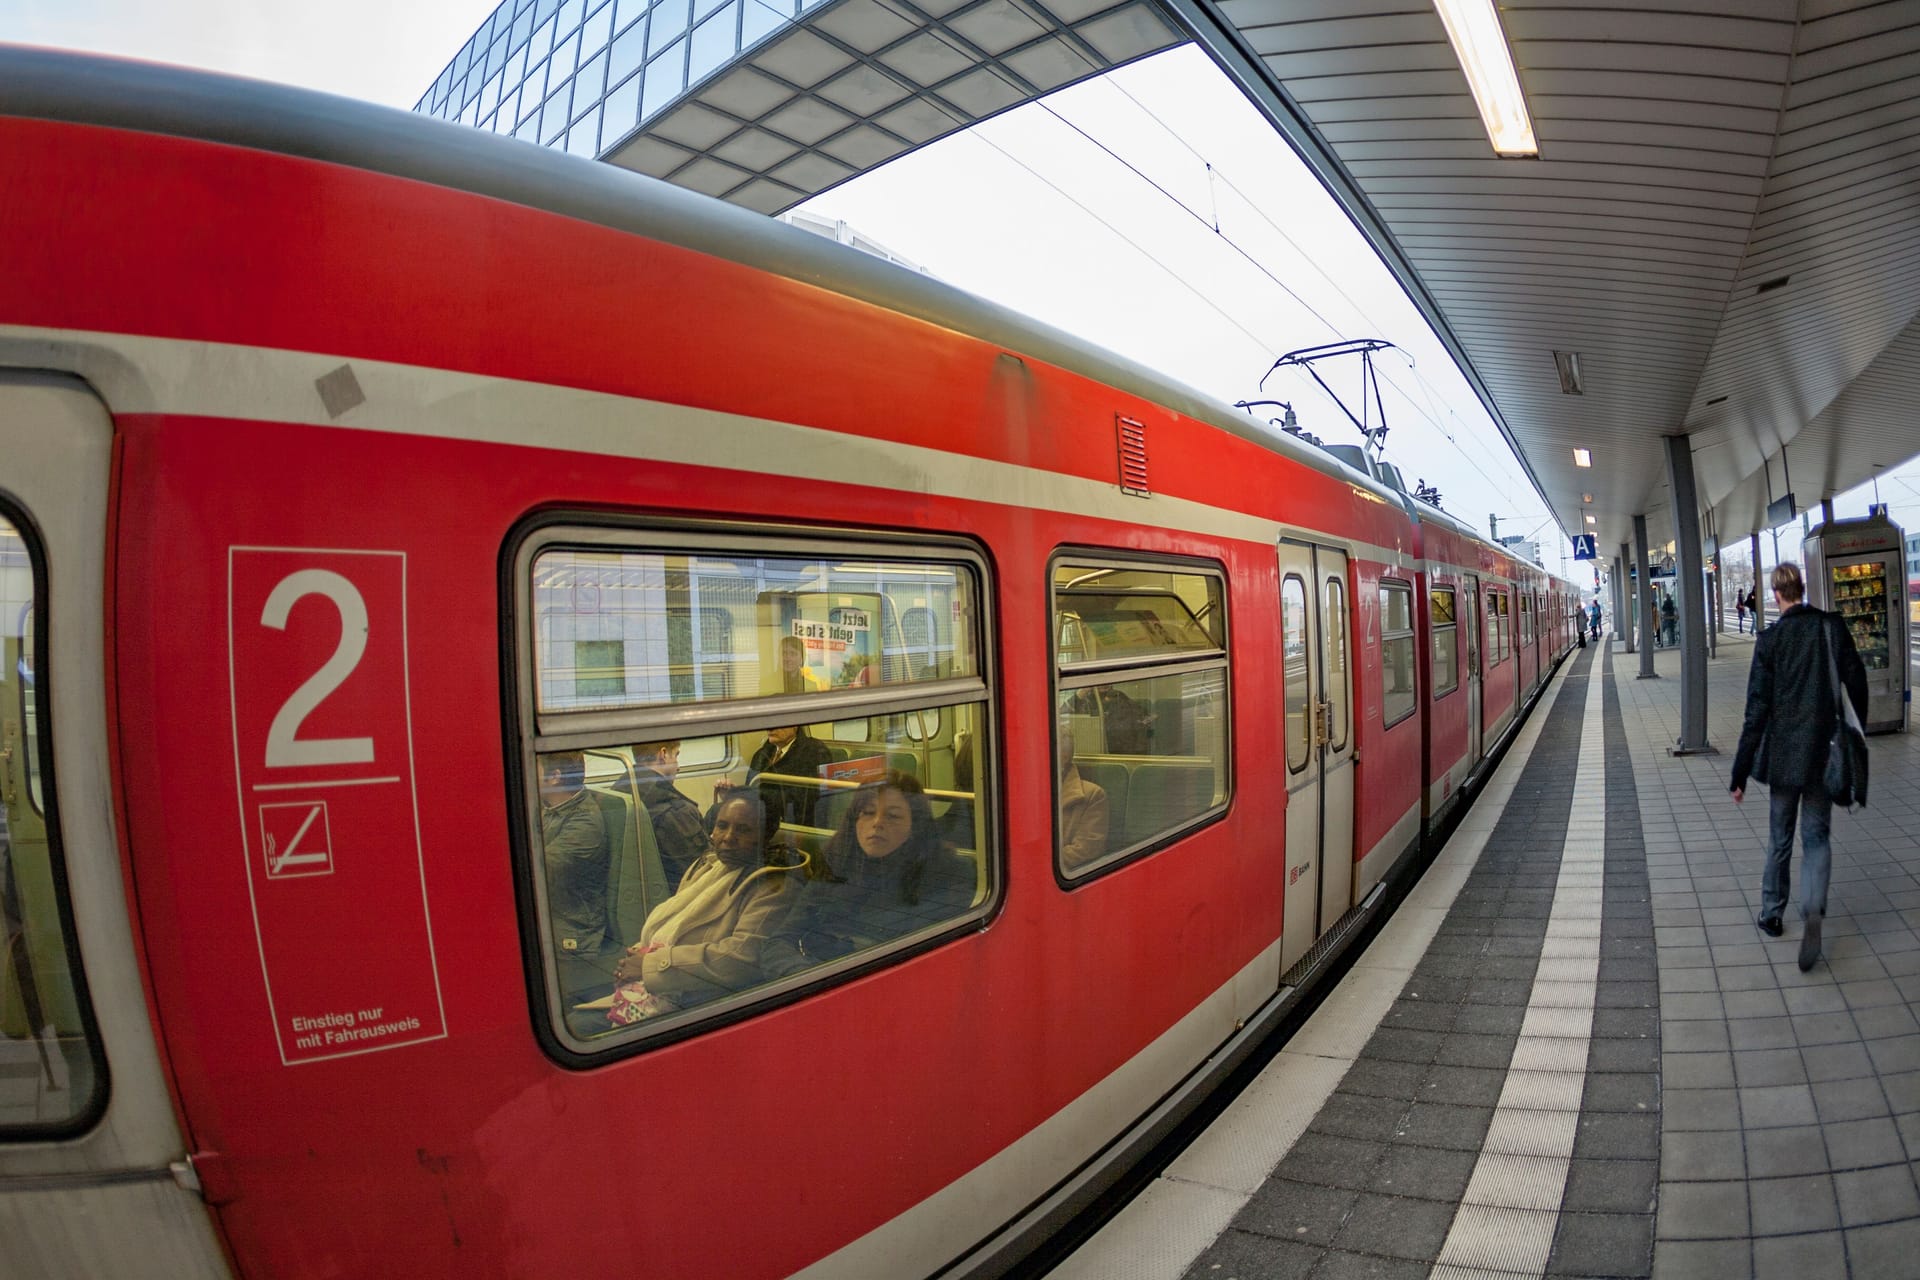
(741, 778)
(1335, 614)
(1293, 662)
(1396, 651)
(629, 630)
(1446, 635)
(1526, 618)
(1499, 636)
(1141, 704)
(50, 1052)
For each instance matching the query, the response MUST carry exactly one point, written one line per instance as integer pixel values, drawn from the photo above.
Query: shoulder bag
(1846, 776)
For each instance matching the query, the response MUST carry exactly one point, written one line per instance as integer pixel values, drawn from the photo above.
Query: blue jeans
(1785, 804)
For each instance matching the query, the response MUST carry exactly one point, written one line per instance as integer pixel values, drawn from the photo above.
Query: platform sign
(1583, 547)
(329, 825)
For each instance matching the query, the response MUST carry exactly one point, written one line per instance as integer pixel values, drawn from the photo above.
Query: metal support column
(1691, 583)
(1643, 601)
(1759, 596)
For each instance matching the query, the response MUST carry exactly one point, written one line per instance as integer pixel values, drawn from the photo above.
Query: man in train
(678, 830)
(576, 854)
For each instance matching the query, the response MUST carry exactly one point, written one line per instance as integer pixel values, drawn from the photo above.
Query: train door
(1470, 596)
(1317, 731)
(78, 1145)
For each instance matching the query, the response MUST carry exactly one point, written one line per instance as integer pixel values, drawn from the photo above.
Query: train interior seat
(636, 880)
(1164, 794)
(1111, 776)
(1147, 796)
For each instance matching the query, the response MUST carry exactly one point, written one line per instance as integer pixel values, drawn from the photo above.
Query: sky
(1151, 211)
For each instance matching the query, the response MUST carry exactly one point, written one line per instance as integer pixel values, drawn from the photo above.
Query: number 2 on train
(285, 749)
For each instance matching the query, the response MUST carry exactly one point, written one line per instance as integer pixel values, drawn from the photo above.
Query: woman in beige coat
(725, 929)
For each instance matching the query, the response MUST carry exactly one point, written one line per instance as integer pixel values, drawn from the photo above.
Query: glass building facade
(582, 75)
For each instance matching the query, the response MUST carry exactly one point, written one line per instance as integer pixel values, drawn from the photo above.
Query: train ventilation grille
(1133, 457)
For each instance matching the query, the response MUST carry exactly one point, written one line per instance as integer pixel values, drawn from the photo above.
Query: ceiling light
(1481, 46)
(1568, 363)
(1586, 497)
(1591, 520)
(1582, 458)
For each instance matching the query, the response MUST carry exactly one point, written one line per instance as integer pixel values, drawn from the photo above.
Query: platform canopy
(1722, 223)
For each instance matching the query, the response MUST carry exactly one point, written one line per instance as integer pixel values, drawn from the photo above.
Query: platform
(1571, 1053)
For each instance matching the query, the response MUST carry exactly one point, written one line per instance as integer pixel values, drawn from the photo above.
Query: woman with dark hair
(727, 927)
(887, 873)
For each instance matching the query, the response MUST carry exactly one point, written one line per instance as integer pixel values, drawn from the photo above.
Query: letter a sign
(1583, 547)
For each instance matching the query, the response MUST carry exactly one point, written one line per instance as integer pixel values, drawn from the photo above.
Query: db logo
(1294, 873)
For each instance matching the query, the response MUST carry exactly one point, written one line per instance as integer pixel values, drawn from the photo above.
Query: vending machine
(1857, 568)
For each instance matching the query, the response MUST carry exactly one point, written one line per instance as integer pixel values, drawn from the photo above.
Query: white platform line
(1506, 1220)
(1159, 1234)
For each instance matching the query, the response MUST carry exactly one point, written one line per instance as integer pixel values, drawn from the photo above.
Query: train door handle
(1322, 723)
(7, 739)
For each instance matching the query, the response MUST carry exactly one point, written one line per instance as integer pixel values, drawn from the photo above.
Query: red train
(398, 519)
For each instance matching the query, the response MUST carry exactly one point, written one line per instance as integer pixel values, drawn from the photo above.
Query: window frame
(1433, 631)
(531, 732)
(1306, 745)
(1409, 634)
(47, 809)
(1499, 626)
(1095, 673)
(1344, 702)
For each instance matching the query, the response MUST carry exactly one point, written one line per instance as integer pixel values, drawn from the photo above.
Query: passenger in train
(794, 675)
(678, 830)
(576, 854)
(789, 751)
(1128, 729)
(729, 925)
(887, 873)
(1083, 811)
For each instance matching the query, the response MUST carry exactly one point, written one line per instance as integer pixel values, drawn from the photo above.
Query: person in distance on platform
(1593, 618)
(678, 830)
(1740, 607)
(887, 873)
(1790, 720)
(1669, 620)
(726, 928)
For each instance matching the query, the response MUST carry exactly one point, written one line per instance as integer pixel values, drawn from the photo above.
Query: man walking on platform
(1791, 714)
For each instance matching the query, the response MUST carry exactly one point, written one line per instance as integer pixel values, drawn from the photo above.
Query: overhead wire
(1261, 267)
(1135, 245)
(1259, 212)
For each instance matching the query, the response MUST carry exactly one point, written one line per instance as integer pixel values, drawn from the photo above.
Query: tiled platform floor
(1736, 1117)
(1792, 1100)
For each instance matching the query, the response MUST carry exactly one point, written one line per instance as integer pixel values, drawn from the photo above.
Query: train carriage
(380, 497)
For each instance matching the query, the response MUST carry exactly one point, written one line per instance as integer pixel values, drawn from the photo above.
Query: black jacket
(804, 759)
(1790, 708)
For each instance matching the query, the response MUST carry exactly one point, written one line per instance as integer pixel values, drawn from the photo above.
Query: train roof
(152, 98)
